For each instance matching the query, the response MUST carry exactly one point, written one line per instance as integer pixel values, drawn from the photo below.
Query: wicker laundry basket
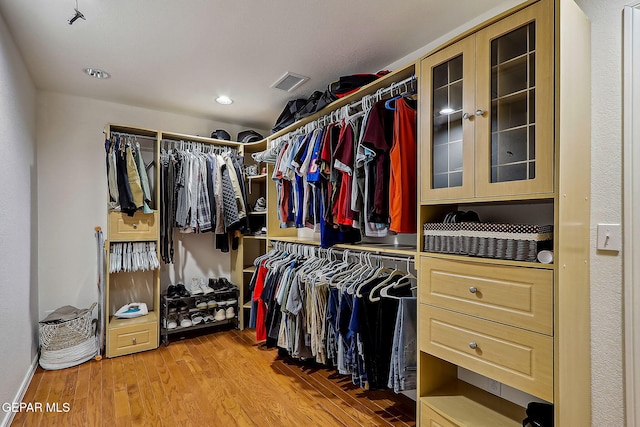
(520, 242)
(68, 342)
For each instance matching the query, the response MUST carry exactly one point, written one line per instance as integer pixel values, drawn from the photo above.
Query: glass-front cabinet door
(447, 80)
(515, 105)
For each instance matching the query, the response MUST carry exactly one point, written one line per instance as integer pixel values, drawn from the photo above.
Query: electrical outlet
(494, 387)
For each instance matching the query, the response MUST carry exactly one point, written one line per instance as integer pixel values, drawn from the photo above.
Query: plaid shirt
(204, 207)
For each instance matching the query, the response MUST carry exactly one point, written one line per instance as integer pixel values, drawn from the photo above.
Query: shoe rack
(184, 313)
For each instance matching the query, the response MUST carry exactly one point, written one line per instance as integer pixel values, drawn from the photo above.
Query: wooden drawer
(140, 226)
(515, 296)
(513, 356)
(132, 339)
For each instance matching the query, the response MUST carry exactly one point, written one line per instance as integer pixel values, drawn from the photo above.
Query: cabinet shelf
(249, 269)
(115, 322)
(462, 404)
(201, 325)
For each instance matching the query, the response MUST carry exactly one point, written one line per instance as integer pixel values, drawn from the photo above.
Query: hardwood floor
(220, 379)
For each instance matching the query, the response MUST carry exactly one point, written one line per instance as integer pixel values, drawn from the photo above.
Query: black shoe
(213, 283)
(225, 285)
(172, 292)
(182, 291)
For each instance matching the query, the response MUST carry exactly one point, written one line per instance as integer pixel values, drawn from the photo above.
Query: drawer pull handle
(135, 226)
(473, 289)
(134, 340)
(473, 345)
(480, 112)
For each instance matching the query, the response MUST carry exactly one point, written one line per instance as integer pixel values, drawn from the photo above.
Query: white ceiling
(179, 55)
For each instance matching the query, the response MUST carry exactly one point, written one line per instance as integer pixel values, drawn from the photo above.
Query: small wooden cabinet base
(126, 336)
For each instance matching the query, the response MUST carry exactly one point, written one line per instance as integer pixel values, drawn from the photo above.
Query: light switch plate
(609, 237)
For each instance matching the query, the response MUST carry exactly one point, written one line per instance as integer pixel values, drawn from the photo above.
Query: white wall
(18, 225)
(607, 376)
(72, 195)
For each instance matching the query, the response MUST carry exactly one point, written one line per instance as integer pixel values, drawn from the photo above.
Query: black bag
(316, 102)
(288, 115)
(539, 415)
(346, 85)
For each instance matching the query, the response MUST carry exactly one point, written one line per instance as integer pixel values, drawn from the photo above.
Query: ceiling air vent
(289, 81)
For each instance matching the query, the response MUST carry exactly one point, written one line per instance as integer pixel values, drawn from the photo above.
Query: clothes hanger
(402, 281)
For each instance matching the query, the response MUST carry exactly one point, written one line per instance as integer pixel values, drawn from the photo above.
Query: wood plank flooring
(221, 379)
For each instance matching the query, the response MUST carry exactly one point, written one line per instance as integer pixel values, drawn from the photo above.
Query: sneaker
(230, 313)
(184, 321)
(261, 205)
(201, 304)
(206, 289)
(212, 303)
(195, 287)
(182, 291)
(171, 322)
(232, 301)
(220, 315)
(172, 292)
(196, 318)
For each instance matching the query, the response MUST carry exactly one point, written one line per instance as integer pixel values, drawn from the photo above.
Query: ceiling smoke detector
(289, 81)
(98, 74)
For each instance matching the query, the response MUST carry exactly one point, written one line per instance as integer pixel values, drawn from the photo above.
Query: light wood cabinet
(488, 104)
(504, 129)
(252, 245)
(522, 297)
(126, 336)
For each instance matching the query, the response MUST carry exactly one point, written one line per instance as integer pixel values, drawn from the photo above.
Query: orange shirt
(403, 157)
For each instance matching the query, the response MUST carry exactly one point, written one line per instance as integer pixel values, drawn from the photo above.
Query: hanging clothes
(201, 191)
(126, 176)
(334, 312)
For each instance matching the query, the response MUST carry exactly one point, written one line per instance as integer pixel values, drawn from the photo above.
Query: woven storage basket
(519, 242)
(68, 343)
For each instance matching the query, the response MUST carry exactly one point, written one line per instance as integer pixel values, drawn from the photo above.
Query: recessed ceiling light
(98, 74)
(224, 100)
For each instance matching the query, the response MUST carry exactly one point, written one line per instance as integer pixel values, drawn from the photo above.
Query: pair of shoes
(230, 313)
(172, 292)
(224, 285)
(261, 205)
(200, 287)
(179, 291)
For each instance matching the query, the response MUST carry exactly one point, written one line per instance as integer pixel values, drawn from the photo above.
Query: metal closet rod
(350, 252)
(198, 144)
(132, 135)
(336, 114)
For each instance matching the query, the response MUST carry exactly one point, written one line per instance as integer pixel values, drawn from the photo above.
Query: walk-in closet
(334, 214)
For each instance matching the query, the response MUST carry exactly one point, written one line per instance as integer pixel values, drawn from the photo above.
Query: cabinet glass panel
(513, 105)
(447, 124)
